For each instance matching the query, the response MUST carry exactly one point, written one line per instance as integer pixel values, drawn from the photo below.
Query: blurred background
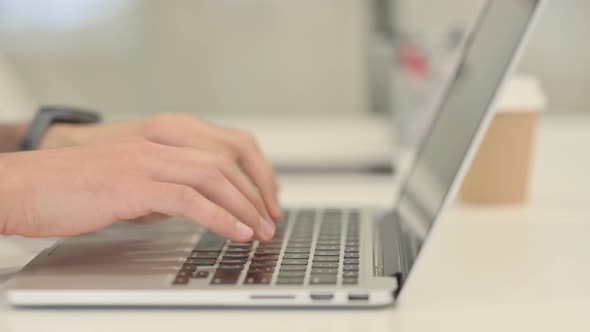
(321, 62)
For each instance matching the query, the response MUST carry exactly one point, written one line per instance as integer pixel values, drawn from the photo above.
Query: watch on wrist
(48, 115)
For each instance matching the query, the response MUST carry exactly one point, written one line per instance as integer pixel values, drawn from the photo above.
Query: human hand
(181, 130)
(69, 191)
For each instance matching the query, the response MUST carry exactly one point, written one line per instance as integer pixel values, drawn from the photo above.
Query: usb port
(358, 297)
(322, 297)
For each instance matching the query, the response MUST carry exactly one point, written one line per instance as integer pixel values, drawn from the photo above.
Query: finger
(215, 138)
(257, 167)
(264, 177)
(185, 202)
(212, 183)
(238, 178)
(235, 175)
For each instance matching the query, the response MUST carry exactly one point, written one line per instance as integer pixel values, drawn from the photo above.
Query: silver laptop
(318, 256)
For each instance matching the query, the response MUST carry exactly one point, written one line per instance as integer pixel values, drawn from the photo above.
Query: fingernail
(244, 231)
(267, 227)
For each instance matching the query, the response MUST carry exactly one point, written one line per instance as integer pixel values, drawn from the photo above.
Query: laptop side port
(322, 296)
(358, 297)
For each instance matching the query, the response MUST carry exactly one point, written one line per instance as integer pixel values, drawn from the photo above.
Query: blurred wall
(253, 56)
(206, 56)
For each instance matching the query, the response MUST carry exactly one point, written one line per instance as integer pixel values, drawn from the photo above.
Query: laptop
(351, 257)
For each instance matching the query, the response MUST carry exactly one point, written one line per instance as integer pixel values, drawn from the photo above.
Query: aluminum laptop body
(319, 256)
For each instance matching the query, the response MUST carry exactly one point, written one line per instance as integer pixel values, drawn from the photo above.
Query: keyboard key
(222, 277)
(327, 248)
(189, 268)
(265, 258)
(237, 250)
(233, 261)
(326, 253)
(329, 243)
(236, 256)
(290, 281)
(200, 262)
(349, 281)
(240, 245)
(326, 259)
(294, 262)
(210, 242)
(265, 264)
(292, 274)
(351, 255)
(297, 251)
(332, 214)
(350, 274)
(351, 249)
(302, 241)
(324, 271)
(270, 246)
(350, 268)
(285, 216)
(258, 278)
(322, 280)
(296, 256)
(201, 274)
(181, 281)
(237, 267)
(293, 268)
(330, 265)
(298, 245)
(267, 252)
(184, 274)
(261, 269)
(351, 261)
(204, 254)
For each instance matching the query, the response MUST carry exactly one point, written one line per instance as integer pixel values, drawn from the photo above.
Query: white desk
(520, 268)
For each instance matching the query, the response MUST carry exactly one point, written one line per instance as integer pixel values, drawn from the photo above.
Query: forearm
(11, 136)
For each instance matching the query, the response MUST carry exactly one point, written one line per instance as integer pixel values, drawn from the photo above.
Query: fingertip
(276, 211)
(277, 214)
(267, 229)
(243, 232)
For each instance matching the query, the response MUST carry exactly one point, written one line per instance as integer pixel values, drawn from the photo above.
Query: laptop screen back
(487, 58)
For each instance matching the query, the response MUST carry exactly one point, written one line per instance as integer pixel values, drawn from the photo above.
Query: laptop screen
(487, 58)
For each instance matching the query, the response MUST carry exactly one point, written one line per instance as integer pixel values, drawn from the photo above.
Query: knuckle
(162, 122)
(245, 137)
(187, 196)
(210, 176)
(217, 160)
(133, 149)
(222, 159)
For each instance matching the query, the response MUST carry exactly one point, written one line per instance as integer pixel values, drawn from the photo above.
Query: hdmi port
(358, 297)
(322, 297)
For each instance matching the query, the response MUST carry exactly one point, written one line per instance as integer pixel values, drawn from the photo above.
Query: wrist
(11, 136)
(8, 187)
(60, 135)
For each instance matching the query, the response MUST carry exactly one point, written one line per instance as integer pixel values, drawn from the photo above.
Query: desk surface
(513, 268)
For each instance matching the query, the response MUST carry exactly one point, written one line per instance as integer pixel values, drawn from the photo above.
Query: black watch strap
(52, 114)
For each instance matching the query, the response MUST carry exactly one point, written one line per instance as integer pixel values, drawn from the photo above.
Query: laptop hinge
(390, 249)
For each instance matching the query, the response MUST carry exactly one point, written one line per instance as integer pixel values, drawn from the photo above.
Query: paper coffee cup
(500, 171)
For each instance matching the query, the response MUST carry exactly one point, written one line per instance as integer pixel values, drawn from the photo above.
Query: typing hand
(181, 130)
(68, 191)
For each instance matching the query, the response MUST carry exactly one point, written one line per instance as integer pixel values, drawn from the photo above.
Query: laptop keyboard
(310, 247)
